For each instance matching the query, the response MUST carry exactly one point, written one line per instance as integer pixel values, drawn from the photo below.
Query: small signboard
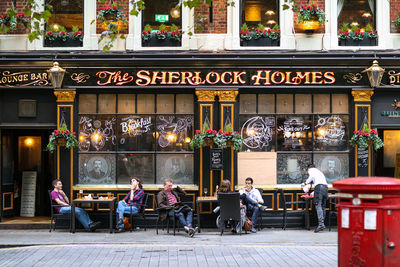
(28, 194)
(216, 159)
(162, 17)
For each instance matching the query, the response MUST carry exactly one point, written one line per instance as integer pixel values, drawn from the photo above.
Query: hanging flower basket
(219, 139)
(365, 138)
(208, 141)
(62, 138)
(61, 141)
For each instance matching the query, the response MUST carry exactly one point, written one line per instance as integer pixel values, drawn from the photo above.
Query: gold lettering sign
(21, 79)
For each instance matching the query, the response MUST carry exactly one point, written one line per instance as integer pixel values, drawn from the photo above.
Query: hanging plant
(366, 137)
(62, 137)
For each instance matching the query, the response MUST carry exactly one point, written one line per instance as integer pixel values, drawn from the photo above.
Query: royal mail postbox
(369, 221)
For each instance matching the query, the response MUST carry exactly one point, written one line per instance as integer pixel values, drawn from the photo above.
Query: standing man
(133, 199)
(253, 200)
(169, 198)
(320, 193)
(59, 198)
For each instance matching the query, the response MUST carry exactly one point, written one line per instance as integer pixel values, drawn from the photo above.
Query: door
(386, 157)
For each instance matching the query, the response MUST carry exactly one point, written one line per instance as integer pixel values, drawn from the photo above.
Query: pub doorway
(385, 158)
(26, 172)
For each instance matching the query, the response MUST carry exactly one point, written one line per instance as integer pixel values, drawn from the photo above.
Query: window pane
(266, 103)
(145, 104)
(174, 132)
(126, 103)
(331, 132)
(107, 103)
(248, 104)
(303, 103)
(136, 133)
(258, 133)
(177, 167)
(292, 168)
(66, 14)
(165, 104)
(322, 103)
(135, 165)
(87, 103)
(391, 139)
(97, 133)
(334, 166)
(355, 12)
(284, 103)
(96, 169)
(260, 11)
(340, 103)
(184, 104)
(172, 15)
(294, 133)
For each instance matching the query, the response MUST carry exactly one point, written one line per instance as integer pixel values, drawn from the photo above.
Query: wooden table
(307, 199)
(109, 201)
(203, 200)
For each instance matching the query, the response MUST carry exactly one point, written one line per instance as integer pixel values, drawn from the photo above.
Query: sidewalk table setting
(307, 199)
(210, 199)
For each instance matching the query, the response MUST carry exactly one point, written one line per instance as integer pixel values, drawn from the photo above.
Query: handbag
(248, 224)
(127, 224)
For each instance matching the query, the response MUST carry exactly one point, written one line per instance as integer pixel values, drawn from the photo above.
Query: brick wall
(394, 10)
(219, 21)
(124, 8)
(4, 5)
(320, 4)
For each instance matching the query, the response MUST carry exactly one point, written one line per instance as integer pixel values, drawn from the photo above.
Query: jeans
(252, 207)
(181, 217)
(320, 197)
(122, 209)
(80, 214)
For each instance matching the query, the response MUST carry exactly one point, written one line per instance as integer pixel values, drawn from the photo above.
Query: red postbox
(369, 221)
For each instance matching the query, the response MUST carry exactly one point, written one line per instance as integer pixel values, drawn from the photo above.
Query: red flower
(3, 16)
(220, 131)
(49, 33)
(20, 15)
(62, 32)
(114, 7)
(198, 131)
(214, 132)
(73, 133)
(67, 132)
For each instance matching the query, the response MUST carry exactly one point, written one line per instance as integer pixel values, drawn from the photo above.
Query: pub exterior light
(56, 74)
(375, 73)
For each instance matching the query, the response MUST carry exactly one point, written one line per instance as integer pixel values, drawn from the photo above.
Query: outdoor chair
(287, 204)
(140, 214)
(229, 209)
(259, 219)
(55, 216)
(332, 211)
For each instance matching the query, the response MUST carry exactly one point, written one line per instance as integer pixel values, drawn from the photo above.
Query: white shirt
(316, 177)
(254, 194)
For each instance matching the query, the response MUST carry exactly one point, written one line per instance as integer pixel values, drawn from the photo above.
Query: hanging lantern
(56, 75)
(375, 74)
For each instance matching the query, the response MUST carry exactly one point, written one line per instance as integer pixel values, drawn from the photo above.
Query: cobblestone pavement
(269, 247)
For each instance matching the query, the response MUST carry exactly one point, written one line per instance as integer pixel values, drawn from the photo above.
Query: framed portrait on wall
(96, 169)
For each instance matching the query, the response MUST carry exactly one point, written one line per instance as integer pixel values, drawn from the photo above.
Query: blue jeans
(122, 209)
(320, 197)
(252, 207)
(181, 217)
(80, 214)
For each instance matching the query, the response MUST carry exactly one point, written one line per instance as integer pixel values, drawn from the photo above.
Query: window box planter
(60, 43)
(260, 42)
(154, 42)
(364, 42)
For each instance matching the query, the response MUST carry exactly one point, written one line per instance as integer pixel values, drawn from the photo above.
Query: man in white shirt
(320, 193)
(253, 200)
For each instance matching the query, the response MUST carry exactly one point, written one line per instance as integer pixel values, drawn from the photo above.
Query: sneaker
(191, 232)
(186, 228)
(120, 230)
(253, 230)
(93, 226)
(196, 229)
(319, 228)
(262, 208)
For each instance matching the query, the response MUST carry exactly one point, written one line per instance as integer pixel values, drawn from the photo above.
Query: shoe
(186, 228)
(253, 230)
(319, 228)
(196, 229)
(93, 226)
(191, 232)
(120, 230)
(263, 208)
(234, 231)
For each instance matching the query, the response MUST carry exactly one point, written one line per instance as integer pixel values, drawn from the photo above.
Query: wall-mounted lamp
(375, 74)
(175, 12)
(28, 141)
(56, 74)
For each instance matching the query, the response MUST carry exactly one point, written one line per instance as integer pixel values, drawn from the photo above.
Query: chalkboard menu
(216, 158)
(362, 161)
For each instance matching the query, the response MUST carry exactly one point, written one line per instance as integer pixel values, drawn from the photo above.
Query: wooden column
(65, 114)
(362, 115)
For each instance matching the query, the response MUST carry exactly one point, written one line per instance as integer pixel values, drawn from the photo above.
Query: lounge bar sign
(22, 79)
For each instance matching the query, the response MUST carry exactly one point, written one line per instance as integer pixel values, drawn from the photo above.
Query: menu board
(216, 159)
(28, 194)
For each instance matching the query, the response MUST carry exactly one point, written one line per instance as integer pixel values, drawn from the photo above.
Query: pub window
(142, 135)
(302, 129)
(65, 26)
(356, 22)
(162, 15)
(259, 23)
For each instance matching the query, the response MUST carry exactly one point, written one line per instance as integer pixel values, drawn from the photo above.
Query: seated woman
(134, 198)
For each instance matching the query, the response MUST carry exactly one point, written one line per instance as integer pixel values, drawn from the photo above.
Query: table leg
(73, 216)
(111, 213)
(307, 214)
(198, 215)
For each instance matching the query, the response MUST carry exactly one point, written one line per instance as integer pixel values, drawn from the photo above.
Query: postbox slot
(370, 201)
(345, 200)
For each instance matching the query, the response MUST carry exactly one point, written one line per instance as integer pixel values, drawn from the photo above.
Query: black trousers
(320, 198)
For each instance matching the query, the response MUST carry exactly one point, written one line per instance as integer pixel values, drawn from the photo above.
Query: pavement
(268, 247)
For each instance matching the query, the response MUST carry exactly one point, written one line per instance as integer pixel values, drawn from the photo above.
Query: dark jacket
(163, 201)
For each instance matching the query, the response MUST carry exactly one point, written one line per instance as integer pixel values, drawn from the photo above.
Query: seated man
(169, 199)
(59, 198)
(134, 198)
(253, 200)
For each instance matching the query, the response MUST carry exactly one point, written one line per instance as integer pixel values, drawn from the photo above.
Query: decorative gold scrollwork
(65, 95)
(80, 77)
(227, 95)
(206, 95)
(362, 95)
(352, 77)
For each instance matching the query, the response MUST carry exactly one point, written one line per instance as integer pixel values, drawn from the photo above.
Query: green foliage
(10, 19)
(221, 139)
(344, 27)
(396, 22)
(228, 128)
(174, 28)
(244, 27)
(63, 133)
(310, 12)
(366, 137)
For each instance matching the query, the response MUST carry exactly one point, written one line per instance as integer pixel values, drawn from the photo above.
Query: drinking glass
(205, 191)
